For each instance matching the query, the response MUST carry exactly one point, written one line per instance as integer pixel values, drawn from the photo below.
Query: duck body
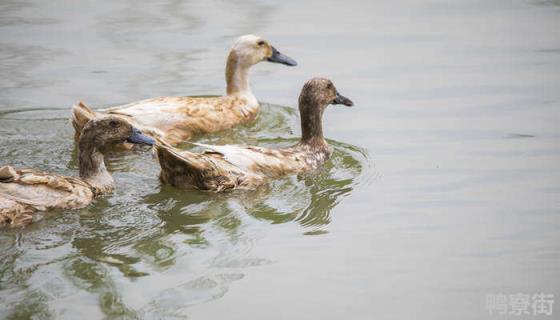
(176, 119)
(26, 191)
(229, 167)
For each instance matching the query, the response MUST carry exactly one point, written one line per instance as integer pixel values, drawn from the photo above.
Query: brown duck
(176, 119)
(230, 167)
(25, 191)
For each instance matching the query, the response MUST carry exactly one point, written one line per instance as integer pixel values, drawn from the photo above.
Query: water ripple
(186, 244)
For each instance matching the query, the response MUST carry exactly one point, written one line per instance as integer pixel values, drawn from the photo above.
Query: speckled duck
(26, 191)
(229, 167)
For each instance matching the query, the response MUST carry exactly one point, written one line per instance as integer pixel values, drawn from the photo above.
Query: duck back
(28, 191)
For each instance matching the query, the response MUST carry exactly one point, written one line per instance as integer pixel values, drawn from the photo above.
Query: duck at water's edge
(25, 191)
(176, 119)
(229, 167)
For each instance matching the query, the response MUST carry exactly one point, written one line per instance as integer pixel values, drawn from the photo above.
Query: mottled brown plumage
(229, 167)
(176, 119)
(25, 191)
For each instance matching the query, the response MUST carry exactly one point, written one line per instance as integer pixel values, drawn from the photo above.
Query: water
(444, 186)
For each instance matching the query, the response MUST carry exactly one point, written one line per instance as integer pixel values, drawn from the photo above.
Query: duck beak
(138, 137)
(277, 57)
(340, 99)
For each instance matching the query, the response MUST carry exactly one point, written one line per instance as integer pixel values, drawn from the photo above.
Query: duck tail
(81, 114)
(169, 157)
(187, 169)
(177, 165)
(8, 174)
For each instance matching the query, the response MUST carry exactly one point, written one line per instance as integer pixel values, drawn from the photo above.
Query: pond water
(444, 187)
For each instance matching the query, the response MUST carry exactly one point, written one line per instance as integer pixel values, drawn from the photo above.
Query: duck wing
(203, 171)
(266, 161)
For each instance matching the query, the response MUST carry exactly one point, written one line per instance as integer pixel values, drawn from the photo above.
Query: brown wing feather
(287, 161)
(263, 161)
(14, 213)
(208, 172)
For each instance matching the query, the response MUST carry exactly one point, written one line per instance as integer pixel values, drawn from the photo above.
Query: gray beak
(277, 57)
(138, 137)
(340, 99)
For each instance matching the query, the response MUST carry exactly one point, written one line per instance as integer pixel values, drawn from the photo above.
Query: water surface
(444, 185)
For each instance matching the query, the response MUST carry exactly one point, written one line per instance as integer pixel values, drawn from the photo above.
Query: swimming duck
(229, 167)
(25, 191)
(176, 119)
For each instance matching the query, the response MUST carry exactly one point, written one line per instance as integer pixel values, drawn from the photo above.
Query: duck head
(251, 49)
(113, 130)
(315, 96)
(96, 135)
(247, 51)
(317, 93)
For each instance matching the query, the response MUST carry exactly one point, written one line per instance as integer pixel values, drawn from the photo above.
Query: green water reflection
(146, 230)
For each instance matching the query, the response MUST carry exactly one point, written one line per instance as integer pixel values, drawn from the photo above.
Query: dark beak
(138, 137)
(340, 99)
(277, 57)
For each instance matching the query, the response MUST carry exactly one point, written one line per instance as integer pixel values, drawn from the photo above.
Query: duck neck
(237, 77)
(92, 165)
(312, 126)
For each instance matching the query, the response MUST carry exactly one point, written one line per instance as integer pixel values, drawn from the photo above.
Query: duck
(176, 119)
(23, 192)
(222, 168)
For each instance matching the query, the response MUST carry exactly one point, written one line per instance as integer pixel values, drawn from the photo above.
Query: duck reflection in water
(307, 198)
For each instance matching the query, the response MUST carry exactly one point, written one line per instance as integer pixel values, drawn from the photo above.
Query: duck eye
(114, 123)
(261, 43)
